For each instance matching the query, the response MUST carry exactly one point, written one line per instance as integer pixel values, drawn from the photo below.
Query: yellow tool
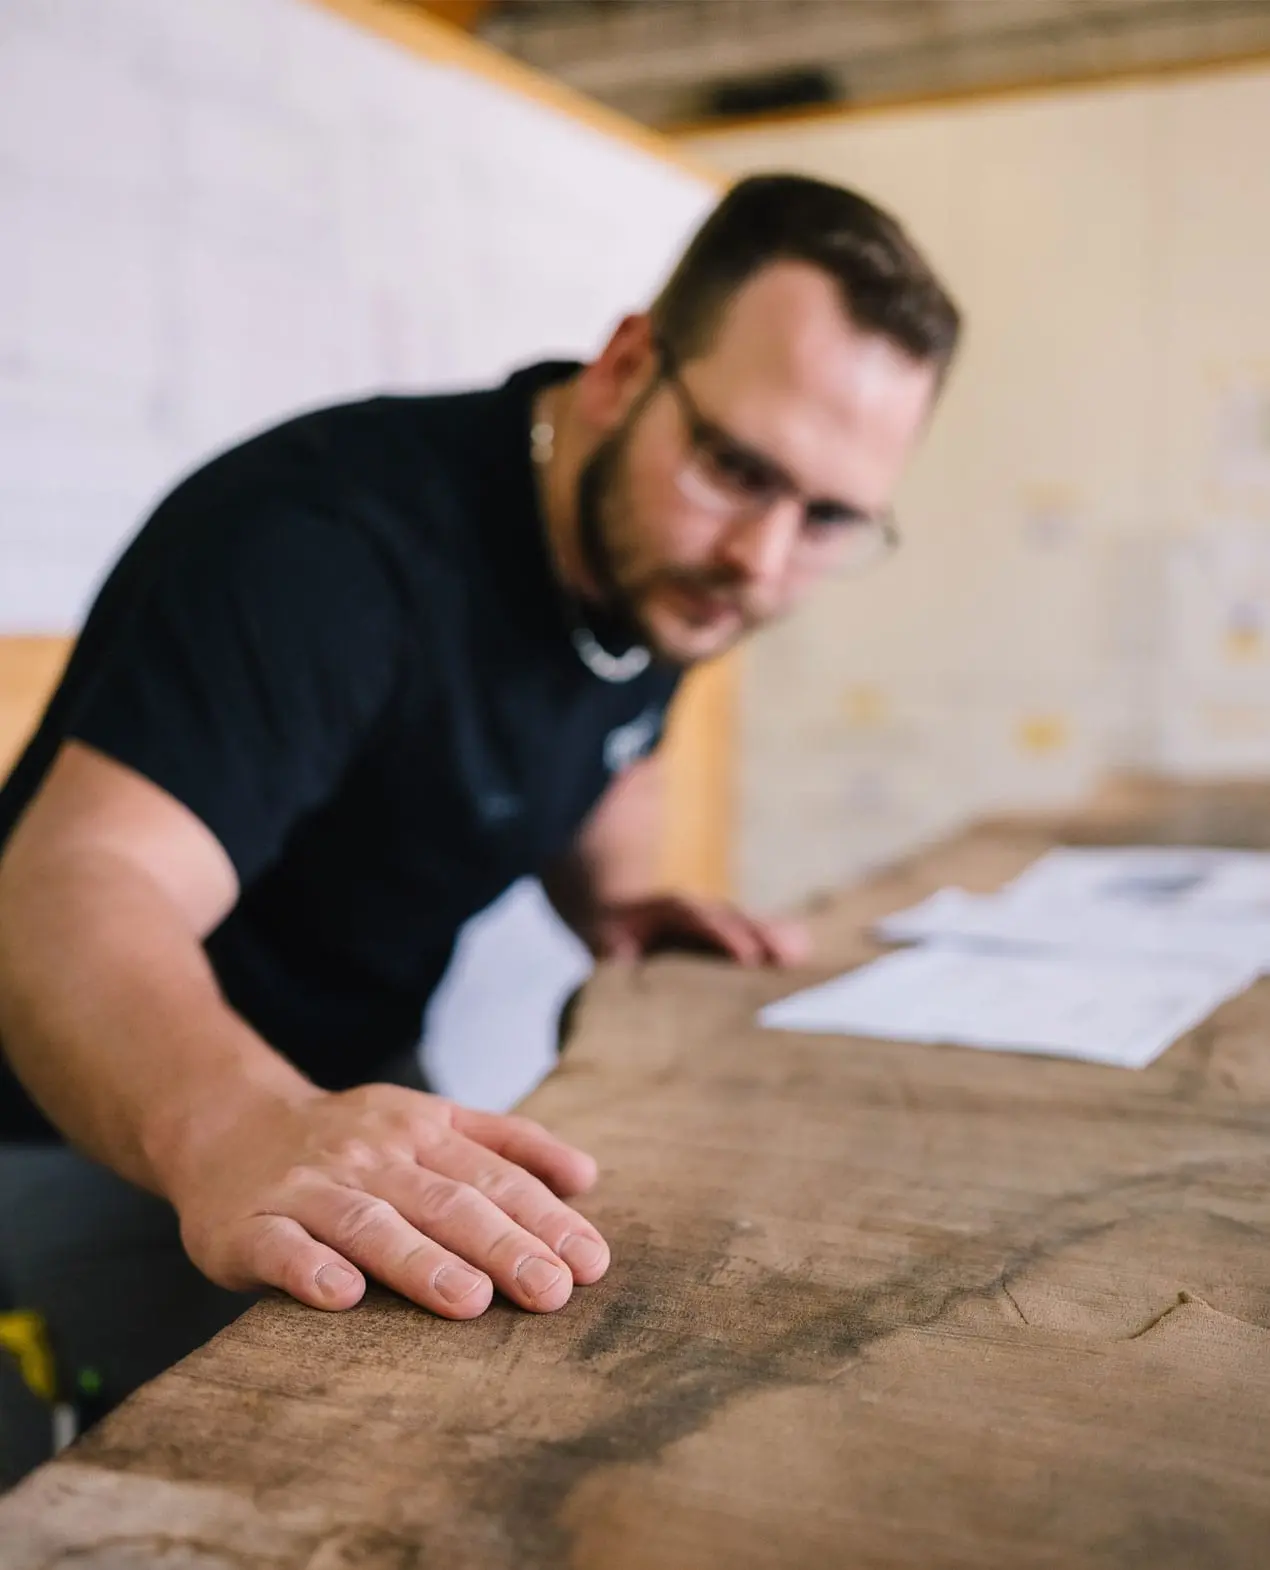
(23, 1333)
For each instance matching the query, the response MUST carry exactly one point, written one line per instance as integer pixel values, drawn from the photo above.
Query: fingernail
(334, 1280)
(455, 1282)
(582, 1253)
(537, 1276)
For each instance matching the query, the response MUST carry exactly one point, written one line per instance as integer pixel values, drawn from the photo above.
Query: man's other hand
(631, 929)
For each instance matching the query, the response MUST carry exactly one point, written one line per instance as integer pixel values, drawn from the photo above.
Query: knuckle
(270, 1231)
(362, 1220)
(443, 1200)
(430, 1135)
(224, 1255)
(276, 1251)
(298, 1180)
(432, 1112)
(502, 1187)
(355, 1154)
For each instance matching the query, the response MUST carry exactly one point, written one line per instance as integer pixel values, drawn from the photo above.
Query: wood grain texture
(464, 14)
(872, 1305)
(1211, 64)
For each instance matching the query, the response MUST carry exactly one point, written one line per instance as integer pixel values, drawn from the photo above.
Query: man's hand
(440, 1203)
(633, 928)
(599, 888)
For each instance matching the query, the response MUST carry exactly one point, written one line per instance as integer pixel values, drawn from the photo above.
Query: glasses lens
(704, 489)
(867, 544)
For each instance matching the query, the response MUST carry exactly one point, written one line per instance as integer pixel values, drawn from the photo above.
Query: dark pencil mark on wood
(1014, 1302)
(808, 1333)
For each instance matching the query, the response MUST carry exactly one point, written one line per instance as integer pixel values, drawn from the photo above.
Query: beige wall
(1047, 617)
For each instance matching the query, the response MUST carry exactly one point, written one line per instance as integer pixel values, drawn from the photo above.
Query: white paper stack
(1104, 955)
(1184, 879)
(1122, 1012)
(1011, 921)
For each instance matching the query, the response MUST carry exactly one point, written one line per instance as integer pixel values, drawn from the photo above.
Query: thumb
(620, 943)
(620, 935)
(276, 1251)
(788, 941)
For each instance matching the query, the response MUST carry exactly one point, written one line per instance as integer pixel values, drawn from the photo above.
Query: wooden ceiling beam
(458, 13)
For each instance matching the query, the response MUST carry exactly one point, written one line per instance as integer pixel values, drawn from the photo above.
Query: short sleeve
(248, 670)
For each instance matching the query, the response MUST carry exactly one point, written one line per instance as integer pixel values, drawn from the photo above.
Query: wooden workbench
(871, 1305)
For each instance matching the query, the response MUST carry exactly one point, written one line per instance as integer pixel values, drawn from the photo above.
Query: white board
(219, 212)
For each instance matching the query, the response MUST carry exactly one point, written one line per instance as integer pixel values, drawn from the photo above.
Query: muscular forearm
(111, 1017)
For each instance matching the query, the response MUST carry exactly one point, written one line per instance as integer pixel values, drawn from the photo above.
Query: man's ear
(616, 378)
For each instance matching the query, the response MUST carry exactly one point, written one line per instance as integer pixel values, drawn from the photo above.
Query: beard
(607, 539)
(616, 615)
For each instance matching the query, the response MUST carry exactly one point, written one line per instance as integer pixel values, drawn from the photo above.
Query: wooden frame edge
(1031, 87)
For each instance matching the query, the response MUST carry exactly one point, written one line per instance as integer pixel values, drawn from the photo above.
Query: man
(353, 679)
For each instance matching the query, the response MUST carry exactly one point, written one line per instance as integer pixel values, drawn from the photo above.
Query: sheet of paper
(1178, 878)
(1005, 921)
(1117, 1012)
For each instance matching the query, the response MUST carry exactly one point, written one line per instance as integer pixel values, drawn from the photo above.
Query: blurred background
(214, 214)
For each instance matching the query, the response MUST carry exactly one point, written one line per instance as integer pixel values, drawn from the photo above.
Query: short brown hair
(887, 285)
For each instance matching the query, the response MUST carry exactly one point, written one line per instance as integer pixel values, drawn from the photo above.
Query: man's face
(731, 487)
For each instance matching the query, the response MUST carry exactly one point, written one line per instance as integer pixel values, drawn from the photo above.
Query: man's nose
(759, 548)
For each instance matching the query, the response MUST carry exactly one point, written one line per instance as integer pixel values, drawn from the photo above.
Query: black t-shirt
(341, 644)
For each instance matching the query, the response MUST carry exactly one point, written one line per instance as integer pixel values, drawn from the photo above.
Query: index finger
(563, 1168)
(519, 1196)
(788, 942)
(729, 929)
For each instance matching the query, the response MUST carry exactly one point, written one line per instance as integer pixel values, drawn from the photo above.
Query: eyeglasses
(724, 475)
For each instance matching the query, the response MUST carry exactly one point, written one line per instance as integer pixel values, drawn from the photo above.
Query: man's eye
(833, 515)
(737, 472)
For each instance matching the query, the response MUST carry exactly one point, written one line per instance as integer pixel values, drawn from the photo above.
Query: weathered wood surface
(872, 1305)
